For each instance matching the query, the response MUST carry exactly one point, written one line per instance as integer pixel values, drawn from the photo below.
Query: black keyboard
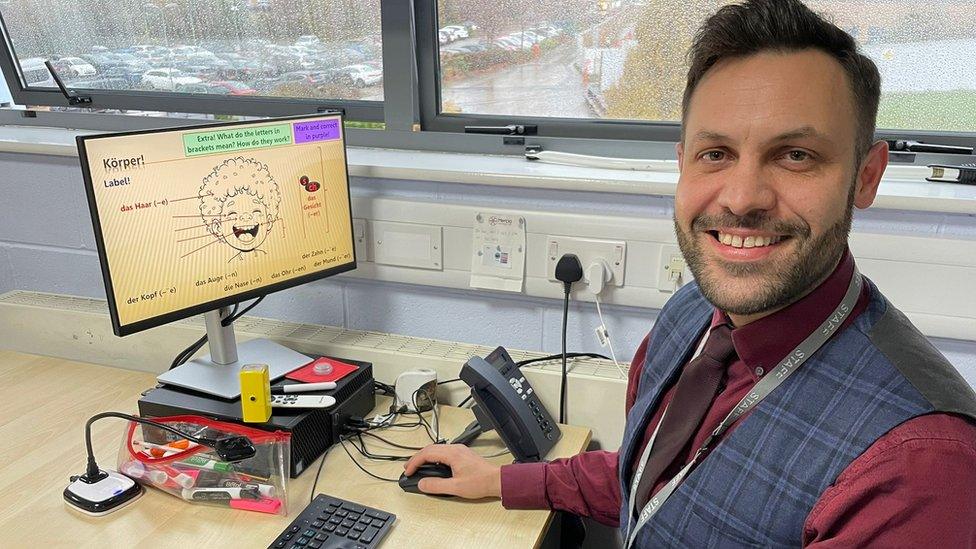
(332, 523)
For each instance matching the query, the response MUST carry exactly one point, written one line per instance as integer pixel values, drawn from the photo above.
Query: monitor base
(204, 375)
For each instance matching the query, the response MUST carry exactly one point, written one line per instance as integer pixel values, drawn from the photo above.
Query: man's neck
(741, 320)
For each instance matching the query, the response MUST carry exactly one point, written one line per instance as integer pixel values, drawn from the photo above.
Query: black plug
(569, 270)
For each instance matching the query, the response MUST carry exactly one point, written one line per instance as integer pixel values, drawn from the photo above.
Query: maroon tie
(693, 395)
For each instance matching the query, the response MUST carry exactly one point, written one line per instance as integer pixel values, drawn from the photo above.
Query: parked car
(202, 87)
(74, 67)
(103, 83)
(167, 79)
(362, 75)
(458, 31)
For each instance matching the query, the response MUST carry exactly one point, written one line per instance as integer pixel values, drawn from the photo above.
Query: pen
(219, 494)
(303, 387)
(204, 463)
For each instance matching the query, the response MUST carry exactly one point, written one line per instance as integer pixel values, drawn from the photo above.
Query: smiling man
(780, 400)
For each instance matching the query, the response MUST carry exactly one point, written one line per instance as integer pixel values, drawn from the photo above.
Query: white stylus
(303, 387)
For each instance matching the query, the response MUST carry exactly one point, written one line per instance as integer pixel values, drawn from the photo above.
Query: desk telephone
(506, 402)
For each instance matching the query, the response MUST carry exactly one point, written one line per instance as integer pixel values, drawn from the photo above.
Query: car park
(74, 67)
(167, 79)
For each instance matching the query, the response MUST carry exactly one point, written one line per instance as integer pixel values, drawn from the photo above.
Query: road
(548, 86)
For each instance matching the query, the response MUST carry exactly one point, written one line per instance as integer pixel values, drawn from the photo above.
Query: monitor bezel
(134, 327)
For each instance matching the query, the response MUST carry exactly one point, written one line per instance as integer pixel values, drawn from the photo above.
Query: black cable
(562, 383)
(230, 320)
(466, 399)
(361, 468)
(568, 270)
(92, 467)
(554, 357)
(449, 381)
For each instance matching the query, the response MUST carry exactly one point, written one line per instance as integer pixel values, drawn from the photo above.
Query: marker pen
(203, 463)
(219, 494)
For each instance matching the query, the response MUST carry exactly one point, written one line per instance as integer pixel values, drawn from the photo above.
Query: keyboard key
(321, 536)
(348, 523)
(309, 533)
(281, 543)
(353, 535)
(374, 514)
(341, 513)
(294, 529)
(368, 534)
(302, 540)
(353, 516)
(315, 544)
(318, 524)
(353, 507)
(365, 520)
(329, 527)
(342, 531)
(359, 527)
(335, 520)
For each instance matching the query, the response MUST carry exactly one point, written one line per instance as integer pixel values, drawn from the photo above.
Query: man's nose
(746, 189)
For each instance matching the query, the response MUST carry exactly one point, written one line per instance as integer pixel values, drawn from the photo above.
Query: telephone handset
(506, 402)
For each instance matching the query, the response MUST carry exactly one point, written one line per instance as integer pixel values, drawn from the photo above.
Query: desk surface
(44, 403)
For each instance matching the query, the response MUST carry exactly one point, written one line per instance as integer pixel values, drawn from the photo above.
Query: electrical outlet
(671, 273)
(588, 250)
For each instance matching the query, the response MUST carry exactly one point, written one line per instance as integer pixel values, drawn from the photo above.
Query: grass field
(944, 110)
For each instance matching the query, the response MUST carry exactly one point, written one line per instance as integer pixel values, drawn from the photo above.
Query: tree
(655, 69)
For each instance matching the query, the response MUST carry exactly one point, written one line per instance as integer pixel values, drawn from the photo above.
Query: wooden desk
(44, 403)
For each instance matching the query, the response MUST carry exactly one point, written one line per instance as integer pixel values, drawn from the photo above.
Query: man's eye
(798, 155)
(713, 156)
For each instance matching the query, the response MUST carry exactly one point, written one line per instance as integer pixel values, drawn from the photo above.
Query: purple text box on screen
(320, 130)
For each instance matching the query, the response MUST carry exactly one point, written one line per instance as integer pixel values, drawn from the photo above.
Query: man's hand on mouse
(473, 477)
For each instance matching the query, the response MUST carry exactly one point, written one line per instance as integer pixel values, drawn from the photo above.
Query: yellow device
(255, 393)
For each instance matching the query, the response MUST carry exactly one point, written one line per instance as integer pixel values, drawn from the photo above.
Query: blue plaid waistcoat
(757, 486)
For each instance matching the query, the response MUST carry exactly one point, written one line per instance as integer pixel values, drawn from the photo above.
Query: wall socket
(588, 250)
(672, 269)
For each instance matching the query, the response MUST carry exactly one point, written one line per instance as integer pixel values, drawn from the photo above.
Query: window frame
(370, 111)
(410, 109)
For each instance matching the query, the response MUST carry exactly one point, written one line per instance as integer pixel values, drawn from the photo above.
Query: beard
(783, 280)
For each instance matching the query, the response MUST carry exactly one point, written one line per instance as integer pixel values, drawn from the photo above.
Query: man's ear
(680, 150)
(870, 174)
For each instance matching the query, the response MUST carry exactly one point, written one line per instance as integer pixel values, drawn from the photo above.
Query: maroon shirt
(915, 486)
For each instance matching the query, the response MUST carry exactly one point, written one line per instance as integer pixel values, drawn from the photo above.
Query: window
(625, 59)
(302, 49)
(608, 70)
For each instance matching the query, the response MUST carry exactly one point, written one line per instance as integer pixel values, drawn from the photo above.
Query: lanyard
(766, 385)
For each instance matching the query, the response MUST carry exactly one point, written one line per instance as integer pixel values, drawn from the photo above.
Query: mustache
(755, 221)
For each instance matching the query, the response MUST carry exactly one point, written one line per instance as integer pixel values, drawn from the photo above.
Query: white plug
(598, 274)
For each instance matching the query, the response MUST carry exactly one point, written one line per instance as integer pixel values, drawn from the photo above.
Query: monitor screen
(192, 219)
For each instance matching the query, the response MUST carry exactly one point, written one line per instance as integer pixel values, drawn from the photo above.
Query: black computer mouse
(409, 484)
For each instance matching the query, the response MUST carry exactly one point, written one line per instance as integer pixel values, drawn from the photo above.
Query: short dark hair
(754, 26)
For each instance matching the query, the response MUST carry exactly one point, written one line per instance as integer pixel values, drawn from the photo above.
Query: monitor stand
(218, 373)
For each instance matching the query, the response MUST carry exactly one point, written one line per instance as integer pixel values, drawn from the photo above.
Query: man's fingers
(434, 453)
(434, 485)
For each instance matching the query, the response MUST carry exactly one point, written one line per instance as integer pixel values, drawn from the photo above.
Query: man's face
(244, 222)
(763, 204)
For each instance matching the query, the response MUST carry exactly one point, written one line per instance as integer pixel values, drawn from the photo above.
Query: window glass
(625, 59)
(288, 48)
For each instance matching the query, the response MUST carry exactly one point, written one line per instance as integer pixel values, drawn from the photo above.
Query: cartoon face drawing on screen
(239, 203)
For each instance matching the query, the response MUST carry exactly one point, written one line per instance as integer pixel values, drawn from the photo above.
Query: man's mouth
(751, 241)
(246, 233)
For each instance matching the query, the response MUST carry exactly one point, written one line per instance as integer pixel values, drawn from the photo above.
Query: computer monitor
(193, 220)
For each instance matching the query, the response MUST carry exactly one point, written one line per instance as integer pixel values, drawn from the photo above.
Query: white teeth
(747, 242)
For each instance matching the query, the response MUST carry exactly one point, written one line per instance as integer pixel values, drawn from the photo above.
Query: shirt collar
(763, 343)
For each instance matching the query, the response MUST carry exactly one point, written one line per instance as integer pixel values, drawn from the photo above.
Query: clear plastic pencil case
(155, 457)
